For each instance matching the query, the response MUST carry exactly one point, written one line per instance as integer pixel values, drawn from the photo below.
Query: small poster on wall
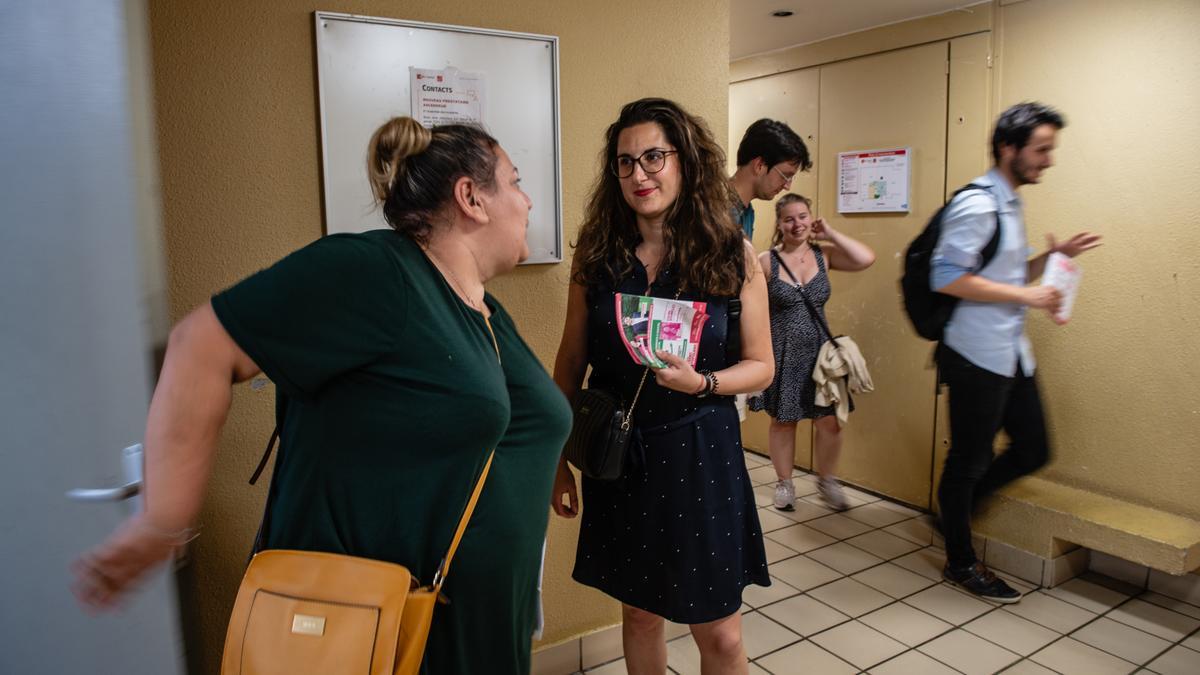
(873, 181)
(446, 96)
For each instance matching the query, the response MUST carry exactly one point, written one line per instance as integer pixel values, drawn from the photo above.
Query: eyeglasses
(651, 161)
(787, 180)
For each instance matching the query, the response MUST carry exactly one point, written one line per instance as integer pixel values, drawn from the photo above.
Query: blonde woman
(803, 250)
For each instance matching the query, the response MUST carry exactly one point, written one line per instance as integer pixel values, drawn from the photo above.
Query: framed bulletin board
(874, 181)
(370, 69)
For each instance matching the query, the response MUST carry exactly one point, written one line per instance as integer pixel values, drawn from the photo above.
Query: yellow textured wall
(236, 107)
(1121, 381)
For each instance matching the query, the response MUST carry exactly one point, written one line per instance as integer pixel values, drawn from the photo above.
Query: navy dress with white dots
(678, 534)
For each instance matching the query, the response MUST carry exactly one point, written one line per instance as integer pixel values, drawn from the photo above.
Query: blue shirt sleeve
(967, 226)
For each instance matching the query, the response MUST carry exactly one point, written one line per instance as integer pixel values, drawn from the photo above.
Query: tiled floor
(861, 591)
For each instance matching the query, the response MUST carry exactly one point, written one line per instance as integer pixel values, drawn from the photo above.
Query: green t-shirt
(391, 397)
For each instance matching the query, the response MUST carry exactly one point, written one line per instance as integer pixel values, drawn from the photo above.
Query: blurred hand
(1084, 241)
(564, 485)
(1043, 297)
(678, 374)
(106, 573)
(821, 231)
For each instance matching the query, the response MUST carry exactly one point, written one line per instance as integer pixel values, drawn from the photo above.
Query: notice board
(371, 69)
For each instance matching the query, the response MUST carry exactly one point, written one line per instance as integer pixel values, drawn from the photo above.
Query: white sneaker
(831, 494)
(785, 496)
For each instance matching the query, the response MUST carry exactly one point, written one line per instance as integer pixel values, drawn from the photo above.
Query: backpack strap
(993, 244)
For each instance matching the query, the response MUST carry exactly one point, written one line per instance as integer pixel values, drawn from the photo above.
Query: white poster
(874, 181)
(446, 96)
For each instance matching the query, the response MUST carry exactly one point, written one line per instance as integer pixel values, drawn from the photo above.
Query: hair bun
(398, 139)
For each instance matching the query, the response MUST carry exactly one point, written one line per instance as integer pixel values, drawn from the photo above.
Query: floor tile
(805, 658)
(860, 494)
(777, 551)
(875, 515)
(928, 562)
(804, 615)
(611, 668)
(893, 580)
(770, 520)
(763, 475)
(1071, 657)
(1052, 613)
(1192, 642)
(764, 495)
(839, 526)
(1028, 667)
(754, 459)
(1179, 661)
(948, 604)
(762, 635)
(683, 656)
(900, 508)
(906, 624)
(1087, 595)
(850, 597)
(969, 653)
(882, 544)
(845, 558)
(556, 660)
(858, 644)
(1012, 632)
(916, 530)
(755, 670)
(675, 630)
(757, 596)
(1116, 568)
(910, 663)
(1155, 620)
(1171, 604)
(803, 573)
(852, 501)
(1120, 640)
(805, 511)
(802, 538)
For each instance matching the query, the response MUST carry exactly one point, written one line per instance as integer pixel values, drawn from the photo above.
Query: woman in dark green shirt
(391, 398)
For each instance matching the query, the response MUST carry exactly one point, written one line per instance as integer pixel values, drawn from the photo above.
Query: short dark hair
(1016, 125)
(775, 142)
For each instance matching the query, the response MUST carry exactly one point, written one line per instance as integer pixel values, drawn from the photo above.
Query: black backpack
(928, 310)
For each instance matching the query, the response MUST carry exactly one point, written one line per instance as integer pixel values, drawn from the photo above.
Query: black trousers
(982, 403)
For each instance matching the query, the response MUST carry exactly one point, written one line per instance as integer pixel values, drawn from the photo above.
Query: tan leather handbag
(310, 612)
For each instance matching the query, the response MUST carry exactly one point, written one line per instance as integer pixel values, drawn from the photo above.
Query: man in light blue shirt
(985, 357)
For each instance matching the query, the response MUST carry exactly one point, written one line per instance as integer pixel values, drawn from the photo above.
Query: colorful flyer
(650, 325)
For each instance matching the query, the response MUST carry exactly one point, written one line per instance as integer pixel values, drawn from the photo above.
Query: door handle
(131, 465)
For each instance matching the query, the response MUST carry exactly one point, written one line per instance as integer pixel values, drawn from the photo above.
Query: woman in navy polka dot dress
(677, 535)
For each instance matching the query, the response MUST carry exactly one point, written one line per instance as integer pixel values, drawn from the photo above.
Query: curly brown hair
(699, 235)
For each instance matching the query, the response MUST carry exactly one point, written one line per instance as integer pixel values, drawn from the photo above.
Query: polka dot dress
(796, 341)
(678, 534)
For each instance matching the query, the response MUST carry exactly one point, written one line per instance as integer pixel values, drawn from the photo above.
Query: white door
(80, 300)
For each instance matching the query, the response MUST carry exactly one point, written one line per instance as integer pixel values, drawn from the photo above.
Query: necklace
(458, 286)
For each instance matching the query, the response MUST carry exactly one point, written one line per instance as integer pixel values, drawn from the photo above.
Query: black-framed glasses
(652, 161)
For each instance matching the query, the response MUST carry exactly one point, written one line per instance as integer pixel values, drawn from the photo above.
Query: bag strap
(993, 244)
(818, 318)
(439, 577)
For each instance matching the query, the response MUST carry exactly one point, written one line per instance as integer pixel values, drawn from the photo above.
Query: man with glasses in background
(768, 158)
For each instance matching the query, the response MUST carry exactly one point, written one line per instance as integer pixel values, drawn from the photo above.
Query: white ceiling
(752, 29)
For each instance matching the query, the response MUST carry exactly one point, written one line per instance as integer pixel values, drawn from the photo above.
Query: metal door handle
(104, 494)
(131, 464)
